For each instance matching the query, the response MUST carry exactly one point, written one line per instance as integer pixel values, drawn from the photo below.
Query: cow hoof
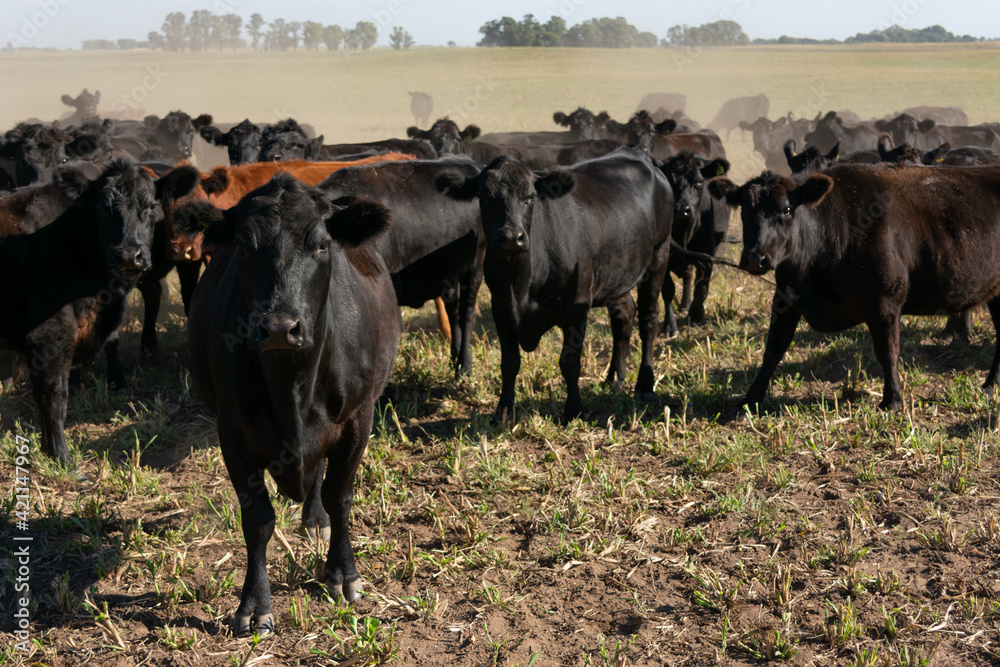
(645, 396)
(894, 404)
(349, 591)
(264, 624)
(314, 532)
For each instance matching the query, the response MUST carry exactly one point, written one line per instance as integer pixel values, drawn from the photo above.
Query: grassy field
(823, 533)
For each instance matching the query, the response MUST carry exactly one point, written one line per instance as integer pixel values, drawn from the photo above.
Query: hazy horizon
(65, 24)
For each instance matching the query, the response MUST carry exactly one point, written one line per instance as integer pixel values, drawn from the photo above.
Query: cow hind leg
(621, 312)
(151, 289)
(688, 292)
(116, 373)
(991, 377)
(669, 317)
(257, 519)
(342, 576)
(958, 327)
(696, 311)
(648, 306)
(50, 388)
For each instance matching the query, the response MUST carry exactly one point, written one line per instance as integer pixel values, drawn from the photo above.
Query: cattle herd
(310, 249)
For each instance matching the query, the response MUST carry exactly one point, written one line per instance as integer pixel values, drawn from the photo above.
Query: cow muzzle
(755, 263)
(132, 262)
(510, 240)
(279, 333)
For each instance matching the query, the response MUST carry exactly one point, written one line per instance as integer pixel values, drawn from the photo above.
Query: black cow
(564, 240)
(436, 245)
(74, 275)
(287, 140)
(810, 160)
(903, 128)
(29, 153)
(242, 141)
(92, 142)
(700, 225)
(968, 156)
(942, 115)
(740, 110)
(291, 338)
(421, 106)
(446, 139)
(869, 244)
(931, 135)
(831, 130)
(86, 107)
(170, 137)
(583, 125)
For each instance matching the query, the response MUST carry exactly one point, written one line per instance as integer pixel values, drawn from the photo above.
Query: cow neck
(814, 243)
(515, 274)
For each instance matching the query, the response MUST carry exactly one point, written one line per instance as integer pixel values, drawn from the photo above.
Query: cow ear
(70, 181)
(789, 149)
(360, 222)
(560, 118)
(200, 216)
(216, 182)
(554, 183)
(715, 168)
(176, 183)
(880, 125)
(722, 188)
(151, 121)
(471, 132)
(602, 118)
(67, 100)
(212, 135)
(313, 147)
(202, 120)
(834, 152)
(665, 127)
(453, 184)
(745, 126)
(925, 126)
(414, 132)
(811, 192)
(781, 121)
(937, 155)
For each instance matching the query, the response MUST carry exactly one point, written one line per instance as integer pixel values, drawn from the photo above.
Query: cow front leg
(569, 364)
(151, 289)
(451, 309)
(669, 317)
(467, 295)
(510, 364)
(50, 389)
(314, 517)
(703, 276)
(621, 313)
(188, 273)
(257, 520)
(116, 374)
(885, 339)
(342, 576)
(690, 273)
(784, 319)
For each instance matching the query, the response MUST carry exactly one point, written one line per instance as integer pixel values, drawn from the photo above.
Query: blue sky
(65, 23)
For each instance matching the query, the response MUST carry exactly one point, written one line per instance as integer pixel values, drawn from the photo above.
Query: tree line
(203, 31)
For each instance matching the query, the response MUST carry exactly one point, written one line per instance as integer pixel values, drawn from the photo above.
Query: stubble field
(823, 533)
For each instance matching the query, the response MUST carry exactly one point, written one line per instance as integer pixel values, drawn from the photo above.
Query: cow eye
(786, 211)
(243, 250)
(323, 247)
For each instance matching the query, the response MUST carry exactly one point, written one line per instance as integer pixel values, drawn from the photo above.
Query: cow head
(92, 142)
(507, 192)
(688, 175)
(809, 160)
(640, 130)
(174, 133)
(582, 123)
(287, 140)
(241, 141)
(768, 206)
(85, 103)
(902, 129)
(829, 131)
(288, 238)
(121, 204)
(30, 152)
(444, 135)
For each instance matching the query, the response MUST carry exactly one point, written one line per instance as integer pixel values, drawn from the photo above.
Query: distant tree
(400, 39)
(175, 31)
(552, 32)
(312, 35)
(277, 35)
(646, 40)
(255, 30)
(452, 43)
(128, 44)
(156, 41)
(361, 37)
(719, 33)
(199, 29)
(89, 44)
(293, 34)
(333, 37)
(232, 25)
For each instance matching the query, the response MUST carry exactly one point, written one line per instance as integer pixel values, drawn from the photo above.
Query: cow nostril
(521, 239)
(295, 333)
(263, 334)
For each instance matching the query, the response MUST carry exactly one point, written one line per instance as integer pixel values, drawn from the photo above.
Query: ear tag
(719, 171)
